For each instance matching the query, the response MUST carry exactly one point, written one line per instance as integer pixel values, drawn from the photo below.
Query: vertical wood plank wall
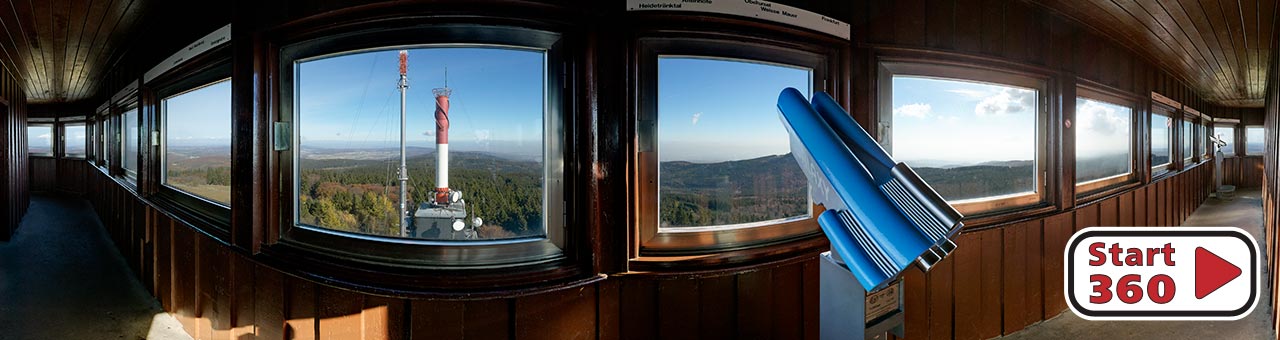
(1271, 177)
(14, 184)
(1002, 279)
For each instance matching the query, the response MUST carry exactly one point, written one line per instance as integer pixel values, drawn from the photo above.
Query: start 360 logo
(1162, 273)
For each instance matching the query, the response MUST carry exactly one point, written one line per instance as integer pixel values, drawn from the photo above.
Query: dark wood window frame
(1159, 171)
(895, 61)
(123, 175)
(1187, 135)
(427, 268)
(62, 136)
(1096, 189)
(1235, 131)
(202, 70)
(651, 251)
(102, 138)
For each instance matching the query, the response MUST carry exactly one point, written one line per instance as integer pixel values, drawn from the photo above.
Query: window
(482, 145)
(197, 141)
(1187, 141)
(1104, 142)
(1203, 137)
(1226, 133)
(39, 140)
(706, 183)
(709, 172)
(1254, 141)
(73, 140)
(129, 142)
(975, 135)
(1161, 139)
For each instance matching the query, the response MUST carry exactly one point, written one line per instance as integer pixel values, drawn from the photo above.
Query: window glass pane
(1161, 151)
(711, 172)
(1253, 140)
(348, 120)
(129, 159)
(967, 139)
(1102, 140)
(74, 141)
(1226, 133)
(1186, 139)
(197, 141)
(40, 139)
(1207, 146)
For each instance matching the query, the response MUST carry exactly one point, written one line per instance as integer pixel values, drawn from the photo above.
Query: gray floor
(60, 278)
(1245, 211)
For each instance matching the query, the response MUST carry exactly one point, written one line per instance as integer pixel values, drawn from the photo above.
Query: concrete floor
(61, 278)
(1245, 211)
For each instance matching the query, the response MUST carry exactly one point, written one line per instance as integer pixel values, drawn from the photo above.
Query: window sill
(720, 263)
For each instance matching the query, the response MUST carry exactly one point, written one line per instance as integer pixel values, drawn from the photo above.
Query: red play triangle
(1212, 272)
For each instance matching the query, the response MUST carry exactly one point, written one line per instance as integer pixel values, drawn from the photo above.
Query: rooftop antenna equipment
(404, 172)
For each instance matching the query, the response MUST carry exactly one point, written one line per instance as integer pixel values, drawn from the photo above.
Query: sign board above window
(759, 9)
(1156, 97)
(208, 42)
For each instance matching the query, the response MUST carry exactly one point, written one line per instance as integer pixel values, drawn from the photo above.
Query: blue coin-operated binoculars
(880, 216)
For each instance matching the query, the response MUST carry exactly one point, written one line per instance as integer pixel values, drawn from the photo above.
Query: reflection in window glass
(1186, 139)
(967, 139)
(711, 172)
(1161, 151)
(1226, 133)
(197, 141)
(1102, 140)
(74, 140)
(40, 139)
(129, 156)
(348, 117)
(1253, 140)
(1204, 138)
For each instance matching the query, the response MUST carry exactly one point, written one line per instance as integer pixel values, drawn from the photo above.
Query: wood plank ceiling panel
(59, 48)
(1220, 48)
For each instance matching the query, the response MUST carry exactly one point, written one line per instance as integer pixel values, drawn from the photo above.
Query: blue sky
(938, 122)
(497, 102)
(201, 116)
(713, 110)
(1102, 128)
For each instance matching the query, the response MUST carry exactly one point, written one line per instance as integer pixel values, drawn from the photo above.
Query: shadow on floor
(61, 278)
(1245, 212)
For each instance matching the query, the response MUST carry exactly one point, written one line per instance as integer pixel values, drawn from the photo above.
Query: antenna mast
(404, 171)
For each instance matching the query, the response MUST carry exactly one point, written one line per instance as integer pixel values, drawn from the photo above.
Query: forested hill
(765, 188)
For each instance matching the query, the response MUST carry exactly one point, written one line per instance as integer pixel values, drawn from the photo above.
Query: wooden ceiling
(61, 48)
(1221, 48)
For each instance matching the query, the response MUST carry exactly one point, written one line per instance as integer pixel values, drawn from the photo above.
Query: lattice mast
(404, 170)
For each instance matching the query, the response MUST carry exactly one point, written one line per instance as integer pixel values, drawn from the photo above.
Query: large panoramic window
(710, 172)
(475, 147)
(1226, 133)
(1161, 140)
(1254, 140)
(1104, 143)
(74, 140)
(40, 140)
(129, 141)
(197, 141)
(974, 136)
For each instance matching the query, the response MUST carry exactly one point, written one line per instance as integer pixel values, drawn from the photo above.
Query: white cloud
(1098, 118)
(914, 110)
(482, 135)
(44, 136)
(975, 94)
(1008, 101)
(696, 115)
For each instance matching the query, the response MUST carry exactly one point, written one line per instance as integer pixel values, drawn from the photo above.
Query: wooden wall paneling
(718, 294)
(383, 318)
(563, 314)
(1161, 209)
(810, 289)
(788, 301)
(339, 313)
(638, 309)
(1057, 230)
(300, 309)
(755, 303)
(977, 276)
(1016, 21)
(677, 310)
(993, 22)
(488, 319)
(214, 289)
(437, 319)
(969, 17)
(1107, 212)
(915, 304)
(184, 278)
(1140, 206)
(268, 303)
(909, 22)
(940, 30)
(243, 284)
(1086, 216)
(941, 299)
(164, 261)
(1023, 291)
(1124, 211)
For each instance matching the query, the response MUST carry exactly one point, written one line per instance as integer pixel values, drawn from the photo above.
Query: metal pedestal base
(842, 306)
